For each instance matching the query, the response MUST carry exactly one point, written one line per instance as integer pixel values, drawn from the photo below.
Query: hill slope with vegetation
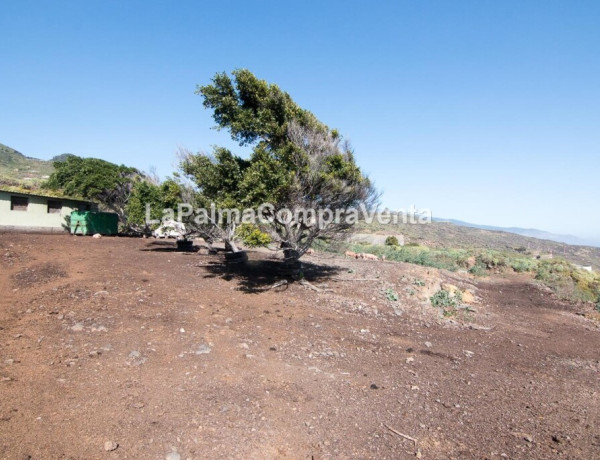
(447, 246)
(445, 235)
(18, 169)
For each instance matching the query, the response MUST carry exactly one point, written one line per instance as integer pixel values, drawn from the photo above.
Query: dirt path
(126, 341)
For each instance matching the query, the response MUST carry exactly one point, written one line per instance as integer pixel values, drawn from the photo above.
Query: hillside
(18, 169)
(449, 235)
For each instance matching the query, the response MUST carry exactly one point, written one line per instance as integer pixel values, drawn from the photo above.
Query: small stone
(174, 455)
(203, 349)
(182, 330)
(428, 344)
(374, 387)
(109, 446)
(77, 327)
(409, 360)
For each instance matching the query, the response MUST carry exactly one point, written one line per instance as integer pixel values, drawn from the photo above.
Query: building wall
(37, 217)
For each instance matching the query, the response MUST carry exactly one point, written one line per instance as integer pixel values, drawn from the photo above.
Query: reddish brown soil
(125, 340)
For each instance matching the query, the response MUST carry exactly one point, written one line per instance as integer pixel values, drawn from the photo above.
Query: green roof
(40, 193)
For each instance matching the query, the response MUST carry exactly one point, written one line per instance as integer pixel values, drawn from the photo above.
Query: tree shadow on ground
(259, 275)
(169, 246)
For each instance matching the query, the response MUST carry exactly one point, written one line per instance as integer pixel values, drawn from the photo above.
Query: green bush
(391, 241)
(567, 281)
(443, 299)
(523, 265)
(478, 270)
(252, 236)
(446, 301)
(493, 259)
(391, 295)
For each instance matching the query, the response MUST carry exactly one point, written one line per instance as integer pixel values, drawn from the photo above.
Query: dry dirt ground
(124, 348)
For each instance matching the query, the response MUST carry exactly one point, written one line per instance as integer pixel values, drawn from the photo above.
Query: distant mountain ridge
(531, 232)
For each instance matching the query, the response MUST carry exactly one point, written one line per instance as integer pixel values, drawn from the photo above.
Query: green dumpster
(90, 222)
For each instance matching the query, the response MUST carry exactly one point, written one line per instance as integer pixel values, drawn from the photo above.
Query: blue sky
(482, 111)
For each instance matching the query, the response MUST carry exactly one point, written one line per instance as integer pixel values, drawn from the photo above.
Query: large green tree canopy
(90, 178)
(296, 161)
(119, 188)
(259, 113)
(252, 109)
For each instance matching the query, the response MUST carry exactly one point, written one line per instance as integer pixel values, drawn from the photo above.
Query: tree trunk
(234, 255)
(291, 263)
(231, 246)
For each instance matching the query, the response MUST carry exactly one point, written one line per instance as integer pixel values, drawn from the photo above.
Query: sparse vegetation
(17, 169)
(564, 278)
(567, 281)
(391, 295)
(447, 301)
(445, 235)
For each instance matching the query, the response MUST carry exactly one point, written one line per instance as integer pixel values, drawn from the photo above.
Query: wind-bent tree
(297, 162)
(325, 180)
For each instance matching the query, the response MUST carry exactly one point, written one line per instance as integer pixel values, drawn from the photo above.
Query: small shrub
(419, 282)
(446, 301)
(597, 307)
(391, 241)
(443, 299)
(478, 270)
(391, 295)
(252, 236)
(492, 259)
(523, 265)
